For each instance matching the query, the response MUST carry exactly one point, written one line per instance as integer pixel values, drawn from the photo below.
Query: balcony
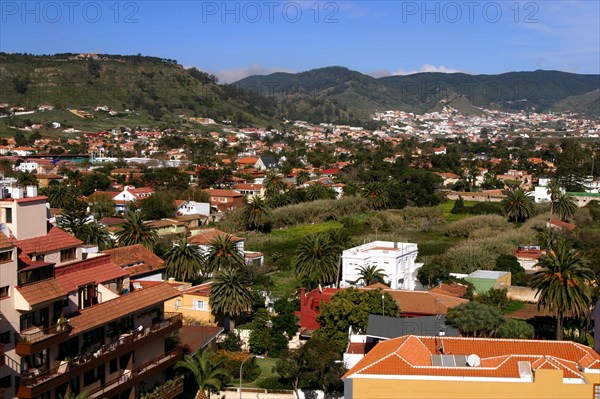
(169, 390)
(133, 377)
(36, 382)
(34, 340)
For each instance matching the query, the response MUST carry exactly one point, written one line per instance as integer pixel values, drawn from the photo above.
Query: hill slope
(360, 94)
(157, 89)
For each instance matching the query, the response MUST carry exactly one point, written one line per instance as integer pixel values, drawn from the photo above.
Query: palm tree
(553, 189)
(184, 260)
(94, 234)
(376, 194)
(230, 293)
(317, 259)
(518, 205)
(563, 284)
(222, 251)
(273, 183)
(371, 275)
(565, 206)
(302, 177)
(61, 195)
(135, 231)
(206, 369)
(255, 213)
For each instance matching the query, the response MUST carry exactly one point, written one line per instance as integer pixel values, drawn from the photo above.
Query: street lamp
(242, 365)
(382, 305)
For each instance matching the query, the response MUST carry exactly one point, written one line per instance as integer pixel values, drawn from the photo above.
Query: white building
(396, 259)
(193, 208)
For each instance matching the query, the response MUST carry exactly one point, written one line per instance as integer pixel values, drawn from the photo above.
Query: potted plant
(61, 324)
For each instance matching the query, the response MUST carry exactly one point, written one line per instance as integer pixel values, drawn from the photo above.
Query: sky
(234, 39)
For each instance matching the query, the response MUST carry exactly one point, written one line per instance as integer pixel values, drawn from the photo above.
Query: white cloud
(425, 68)
(235, 74)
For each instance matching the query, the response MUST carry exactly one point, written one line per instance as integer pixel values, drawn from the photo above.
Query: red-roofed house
(310, 307)
(475, 368)
(225, 200)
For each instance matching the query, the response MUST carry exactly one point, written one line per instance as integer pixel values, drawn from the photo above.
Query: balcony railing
(132, 377)
(38, 381)
(35, 339)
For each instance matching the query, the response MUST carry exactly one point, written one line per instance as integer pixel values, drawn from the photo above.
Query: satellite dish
(473, 361)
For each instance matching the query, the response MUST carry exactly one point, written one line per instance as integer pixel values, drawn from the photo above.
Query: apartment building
(70, 327)
(396, 259)
(225, 200)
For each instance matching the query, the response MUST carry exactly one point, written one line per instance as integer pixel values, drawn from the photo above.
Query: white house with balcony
(396, 259)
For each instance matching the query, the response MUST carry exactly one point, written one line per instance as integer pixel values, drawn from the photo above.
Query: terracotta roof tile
(135, 259)
(68, 278)
(411, 355)
(422, 302)
(6, 242)
(55, 240)
(205, 236)
(106, 312)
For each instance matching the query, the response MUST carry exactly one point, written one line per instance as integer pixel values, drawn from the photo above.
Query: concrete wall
(547, 384)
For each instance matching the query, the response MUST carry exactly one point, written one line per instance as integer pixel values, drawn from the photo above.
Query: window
(113, 366)
(6, 256)
(5, 382)
(4, 291)
(67, 254)
(199, 305)
(88, 296)
(596, 391)
(5, 337)
(8, 215)
(89, 377)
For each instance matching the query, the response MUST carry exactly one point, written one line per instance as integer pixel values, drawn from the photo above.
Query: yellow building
(475, 368)
(193, 303)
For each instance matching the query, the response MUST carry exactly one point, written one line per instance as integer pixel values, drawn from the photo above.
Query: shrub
(273, 383)
(515, 329)
(231, 343)
(494, 297)
(465, 227)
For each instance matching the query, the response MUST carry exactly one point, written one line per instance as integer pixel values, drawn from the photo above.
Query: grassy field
(266, 370)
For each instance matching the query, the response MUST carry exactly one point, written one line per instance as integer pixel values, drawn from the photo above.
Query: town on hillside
(442, 252)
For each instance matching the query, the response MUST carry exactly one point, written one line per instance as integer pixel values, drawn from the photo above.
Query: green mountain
(360, 94)
(156, 89)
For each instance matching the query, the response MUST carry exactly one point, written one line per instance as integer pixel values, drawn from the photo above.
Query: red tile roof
(223, 193)
(55, 240)
(205, 236)
(197, 337)
(6, 242)
(135, 259)
(69, 278)
(422, 302)
(412, 356)
(108, 311)
(564, 225)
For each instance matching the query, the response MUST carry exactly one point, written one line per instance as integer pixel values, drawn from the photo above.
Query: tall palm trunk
(559, 325)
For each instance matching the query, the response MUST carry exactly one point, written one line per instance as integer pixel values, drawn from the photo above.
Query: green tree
(184, 261)
(515, 329)
(565, 206)
(273, 183)
(563, 283)
(207, 370)
(474, 319)
(494, 297)
(60, 195)
(159, 205)
(510, 263)
(518, 205)
(376, 194)
(352, 307)
(94, 182)
(102, 206)
(302, 177)
(433, 273)
(255, 213)
(27, 179)
(230, 293)
(73, 217)
(371, 275)
(459, 206)
(223, 252)
(316, 259)
(80, 395)
(135, 231)
(553, 189)
(94, 233)
(260, 340)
